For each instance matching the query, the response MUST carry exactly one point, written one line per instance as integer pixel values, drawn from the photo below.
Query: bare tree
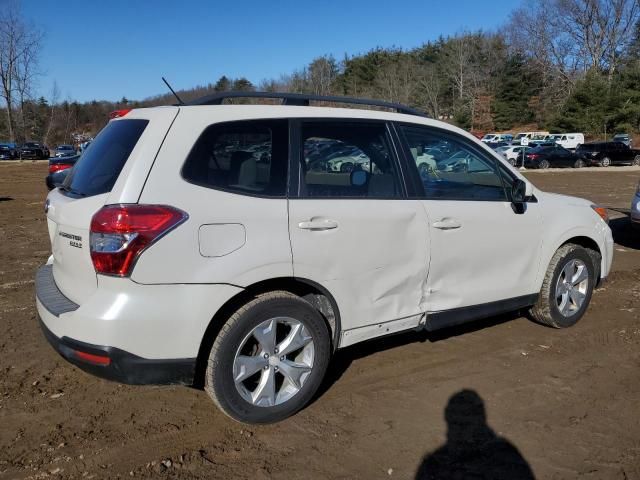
(321, 73)
(19, 48)
(53, 101)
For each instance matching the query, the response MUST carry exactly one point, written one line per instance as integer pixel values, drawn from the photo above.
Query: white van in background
(524, 138)
(570, 140)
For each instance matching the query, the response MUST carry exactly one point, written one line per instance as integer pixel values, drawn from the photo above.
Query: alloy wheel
(571, 287)
(273, 362)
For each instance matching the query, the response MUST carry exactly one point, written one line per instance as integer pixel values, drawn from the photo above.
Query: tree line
(561, 65)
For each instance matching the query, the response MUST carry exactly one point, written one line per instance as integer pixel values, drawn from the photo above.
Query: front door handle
(447, 224)
(320, 224)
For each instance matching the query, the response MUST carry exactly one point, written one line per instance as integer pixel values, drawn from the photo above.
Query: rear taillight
(532, 156)
(56, 167)
(119, 113)
(120, 233)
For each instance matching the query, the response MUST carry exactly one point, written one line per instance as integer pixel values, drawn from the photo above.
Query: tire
(512, 161)
(636, 161)
(547, 310)
(544, 164)
(605, 162)
(579, 163)
(246, 401)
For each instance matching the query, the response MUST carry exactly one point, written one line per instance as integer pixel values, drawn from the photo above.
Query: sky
(111, 49)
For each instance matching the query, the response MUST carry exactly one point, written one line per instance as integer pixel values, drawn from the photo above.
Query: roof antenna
(180, 102)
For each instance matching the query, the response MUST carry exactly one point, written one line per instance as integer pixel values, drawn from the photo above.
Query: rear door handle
(323, 224)
(447, 224)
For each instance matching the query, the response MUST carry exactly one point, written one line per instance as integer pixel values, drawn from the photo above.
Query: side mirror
(521, 191)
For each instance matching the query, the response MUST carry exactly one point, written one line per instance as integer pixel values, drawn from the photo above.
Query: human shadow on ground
(473, 450)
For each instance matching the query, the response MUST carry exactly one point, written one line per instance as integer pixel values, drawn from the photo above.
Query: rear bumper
(127, 332)
(120, 366)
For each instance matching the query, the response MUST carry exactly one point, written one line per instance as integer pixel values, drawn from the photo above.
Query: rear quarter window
(245, 157)
(100, 165)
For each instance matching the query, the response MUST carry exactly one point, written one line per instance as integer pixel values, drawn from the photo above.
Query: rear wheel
(579, 163)
(269, 359)
(512, 161)
(636, 161)
(605, 162)
(544, 164)
(567, 287)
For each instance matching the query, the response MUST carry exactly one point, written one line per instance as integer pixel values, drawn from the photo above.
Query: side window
(243, 157)
(450, 167)
(345, 159)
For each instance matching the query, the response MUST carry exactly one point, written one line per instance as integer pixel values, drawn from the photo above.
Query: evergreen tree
(514, 89)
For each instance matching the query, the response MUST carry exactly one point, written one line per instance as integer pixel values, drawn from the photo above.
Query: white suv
(215, 245)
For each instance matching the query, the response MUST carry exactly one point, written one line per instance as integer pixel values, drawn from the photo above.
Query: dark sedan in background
(65, 151)
(34, 150)
(605, 154)
(8, 151)
(59, 167)
(553, 156)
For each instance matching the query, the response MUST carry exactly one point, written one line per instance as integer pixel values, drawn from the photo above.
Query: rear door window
(343, 159)
(99, 167)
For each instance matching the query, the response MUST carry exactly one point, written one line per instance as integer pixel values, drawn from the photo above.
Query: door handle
(447, 224)
(317, 225)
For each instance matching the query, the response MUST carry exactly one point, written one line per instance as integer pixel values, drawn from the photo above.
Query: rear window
(99, 167)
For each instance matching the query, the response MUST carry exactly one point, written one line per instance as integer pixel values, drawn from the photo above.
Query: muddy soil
(504, 398)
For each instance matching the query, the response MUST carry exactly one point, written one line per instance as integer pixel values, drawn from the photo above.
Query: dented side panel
(375, 262)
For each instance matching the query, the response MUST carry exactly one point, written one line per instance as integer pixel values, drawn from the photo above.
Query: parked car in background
(514, 154)
(570, 140)
(605, 154)
(623, 138)
(493, 138)
(34, 150)
(59, 167)
(635, 209)
(553, 156)
(489, 137)
(8, 151)
(524, 138)
(65, 151)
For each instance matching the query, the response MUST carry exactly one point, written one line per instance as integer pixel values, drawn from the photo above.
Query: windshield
(98, 169)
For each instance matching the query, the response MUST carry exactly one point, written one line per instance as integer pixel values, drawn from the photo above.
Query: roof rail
(303, 99)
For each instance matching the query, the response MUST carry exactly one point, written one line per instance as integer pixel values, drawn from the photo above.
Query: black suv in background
(34, 150)
(605, 154)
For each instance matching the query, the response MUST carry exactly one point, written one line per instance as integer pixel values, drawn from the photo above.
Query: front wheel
(579, 163)
(636, 161)
(567, 287)
(269, 359)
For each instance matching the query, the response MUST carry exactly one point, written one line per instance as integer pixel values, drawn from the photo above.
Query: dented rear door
(366, 244)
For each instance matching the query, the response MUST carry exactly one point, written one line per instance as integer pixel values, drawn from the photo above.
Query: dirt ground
(505, 396)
